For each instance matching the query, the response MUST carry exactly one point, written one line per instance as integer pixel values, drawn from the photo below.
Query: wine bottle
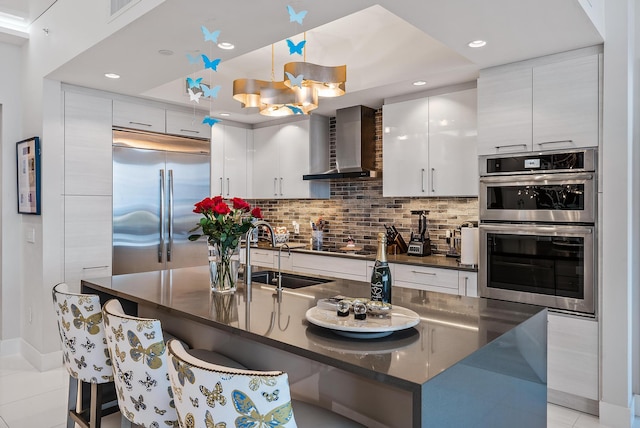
(381, 275)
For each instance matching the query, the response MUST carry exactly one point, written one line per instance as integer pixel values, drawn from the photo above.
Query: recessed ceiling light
(166, 52)
(419, 83)
(477, 43)
(112, 75)
(225, 114)
(226, 45)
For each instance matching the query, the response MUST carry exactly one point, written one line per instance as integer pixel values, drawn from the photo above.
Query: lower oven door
(546, 265)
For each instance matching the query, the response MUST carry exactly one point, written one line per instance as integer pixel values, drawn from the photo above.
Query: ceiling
(386, 45)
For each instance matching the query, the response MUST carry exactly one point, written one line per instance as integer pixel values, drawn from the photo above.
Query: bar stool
(213, 395)
(137, 350)
(85, 357)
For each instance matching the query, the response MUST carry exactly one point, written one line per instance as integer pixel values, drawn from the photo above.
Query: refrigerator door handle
(161, 245)
(170, 243)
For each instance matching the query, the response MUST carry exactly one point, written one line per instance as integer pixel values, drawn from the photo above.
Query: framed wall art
(28, 158)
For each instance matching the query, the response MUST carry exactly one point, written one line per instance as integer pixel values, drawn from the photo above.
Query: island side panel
(503, 384)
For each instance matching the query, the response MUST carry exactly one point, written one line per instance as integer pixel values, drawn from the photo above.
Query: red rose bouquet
(223, 225)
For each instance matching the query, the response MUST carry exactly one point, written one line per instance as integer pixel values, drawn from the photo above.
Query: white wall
(10, 133)
(619, 222)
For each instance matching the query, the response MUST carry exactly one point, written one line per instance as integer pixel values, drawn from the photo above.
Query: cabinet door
(87, 141)
(235, 162)
(217, 159)
(468, 284)
(426, 278)
(565, 104)
(294, 162)
(453, 159)
(265, 162)
(87, 237)
(405, 148)
(187, 124)
(505, 109)
(573, 356)
(138, 116)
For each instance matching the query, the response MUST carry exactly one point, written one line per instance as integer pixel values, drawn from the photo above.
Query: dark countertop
(450, 329)
(434, 260)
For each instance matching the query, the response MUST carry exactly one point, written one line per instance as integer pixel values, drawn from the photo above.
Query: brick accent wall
(357, 208)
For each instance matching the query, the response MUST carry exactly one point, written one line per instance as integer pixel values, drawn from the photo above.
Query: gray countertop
(450, 329)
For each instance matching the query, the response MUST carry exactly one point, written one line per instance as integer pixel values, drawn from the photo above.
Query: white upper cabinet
(138, 116)
(505, 102)
(453, 158)
(565, 104)
(547, 103)
(229, 164)
(429, 146)
(87, 141)
(405, 151)
(187, 124)
(284, 153)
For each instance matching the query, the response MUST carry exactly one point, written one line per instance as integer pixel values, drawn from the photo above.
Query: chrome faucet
(279, 270)
(247, 267)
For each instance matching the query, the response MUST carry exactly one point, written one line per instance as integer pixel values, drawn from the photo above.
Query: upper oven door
(559, 197)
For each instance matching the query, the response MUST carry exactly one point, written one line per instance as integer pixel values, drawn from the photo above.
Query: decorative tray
(372, 327)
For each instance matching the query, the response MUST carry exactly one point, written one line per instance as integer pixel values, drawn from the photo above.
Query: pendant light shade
(328, 81)
(247, 91)
(279, 100)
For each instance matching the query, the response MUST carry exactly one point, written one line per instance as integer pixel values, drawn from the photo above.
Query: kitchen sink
(289, 280)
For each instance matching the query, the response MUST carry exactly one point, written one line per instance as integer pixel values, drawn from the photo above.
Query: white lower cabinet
(468, 283)
(87, 237)
(572, 365)
(426, 278)
(336, 267)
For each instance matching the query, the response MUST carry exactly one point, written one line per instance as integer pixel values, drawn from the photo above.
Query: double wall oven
(538, 229)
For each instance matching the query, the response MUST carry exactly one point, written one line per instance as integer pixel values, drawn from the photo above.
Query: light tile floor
(33, 399)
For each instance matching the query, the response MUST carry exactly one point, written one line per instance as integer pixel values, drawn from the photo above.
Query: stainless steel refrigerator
(157, 179)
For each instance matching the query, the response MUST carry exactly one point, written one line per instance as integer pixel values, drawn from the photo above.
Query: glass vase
(223, 268)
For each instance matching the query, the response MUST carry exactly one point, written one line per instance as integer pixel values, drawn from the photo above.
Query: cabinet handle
(433, 339)
(424, 273)
(193, 131)
(511, 145)
(95, 267)
(433, 170)
(466, 285)
(275, 186)
(221, 189)
(228, 186)
(162, 202)
(422, 178)
(140, 123)
(280, 186)
(170, 243)
(554, 142)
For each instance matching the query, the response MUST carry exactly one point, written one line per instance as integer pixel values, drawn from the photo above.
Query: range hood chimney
(355, 145)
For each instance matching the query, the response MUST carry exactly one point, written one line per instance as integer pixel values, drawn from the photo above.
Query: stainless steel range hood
(355, 145)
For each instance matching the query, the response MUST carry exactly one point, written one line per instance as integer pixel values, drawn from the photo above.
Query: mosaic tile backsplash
(357, 208)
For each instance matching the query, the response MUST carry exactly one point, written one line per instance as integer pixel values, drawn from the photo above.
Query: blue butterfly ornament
(212, 64)
(294, 109)
(296, 17)
(210, 36)
(295, 48)
(210, 92)
(295, 80)
(193, 59)
(194, 83)
(210, 120)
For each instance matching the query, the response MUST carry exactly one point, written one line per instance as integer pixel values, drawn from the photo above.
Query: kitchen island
(469, 361)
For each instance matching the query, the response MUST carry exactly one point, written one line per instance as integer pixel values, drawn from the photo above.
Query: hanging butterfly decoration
(210, 92)
(210, 36)
(296, 16)
(295, 80)
(212, 64)
(194, 83)
(194, 96)
(295, 48)
(210, 120)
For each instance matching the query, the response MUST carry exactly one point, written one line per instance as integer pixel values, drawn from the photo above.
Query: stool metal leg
(72, 400)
